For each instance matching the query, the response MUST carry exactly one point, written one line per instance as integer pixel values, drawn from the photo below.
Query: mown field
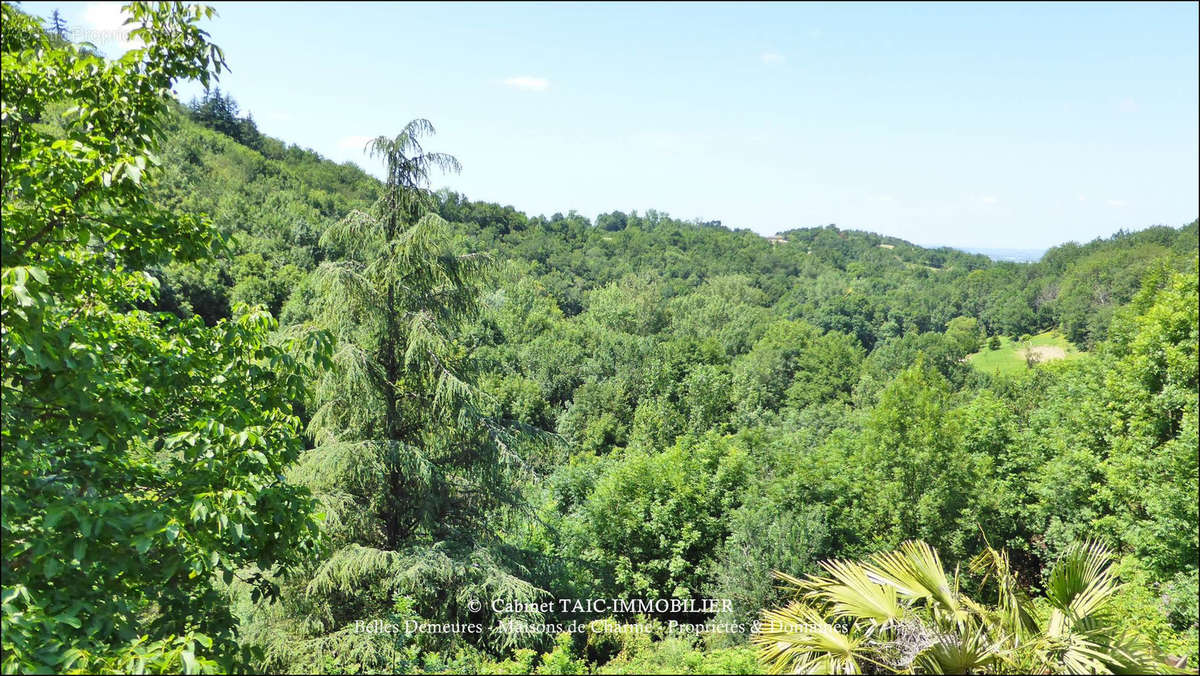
(1012, 356)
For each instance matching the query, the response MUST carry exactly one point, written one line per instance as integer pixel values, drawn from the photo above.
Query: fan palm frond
(851, 593)
(1081, 583)
(798, 639)
(900, 611)
(1012, 604)
(970, 650)
(915, 571)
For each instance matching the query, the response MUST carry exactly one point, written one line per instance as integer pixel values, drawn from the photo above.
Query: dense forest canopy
(254, 401)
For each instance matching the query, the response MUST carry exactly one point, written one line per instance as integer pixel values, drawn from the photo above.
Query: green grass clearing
(1010, 358)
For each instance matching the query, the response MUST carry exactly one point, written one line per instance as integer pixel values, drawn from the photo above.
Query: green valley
(268, 413)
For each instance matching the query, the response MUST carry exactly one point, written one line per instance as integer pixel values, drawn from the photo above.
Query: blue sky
(974, 125)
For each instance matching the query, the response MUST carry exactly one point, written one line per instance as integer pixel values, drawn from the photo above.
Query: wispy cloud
(527, 83)
(104, 26)
(1117, 203)
(772, 58)
(989, 199)
(1083, 198)
(1127, 105)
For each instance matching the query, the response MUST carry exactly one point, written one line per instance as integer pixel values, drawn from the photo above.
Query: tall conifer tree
(407, 466)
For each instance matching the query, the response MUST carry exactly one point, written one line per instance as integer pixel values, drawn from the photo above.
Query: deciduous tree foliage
(623, 340)
(654, 520)
(143, 454)
(721, 405)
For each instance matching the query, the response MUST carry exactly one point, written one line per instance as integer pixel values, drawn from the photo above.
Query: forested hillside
(255, 401)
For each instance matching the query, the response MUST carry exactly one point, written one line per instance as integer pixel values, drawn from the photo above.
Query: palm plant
(901, 612)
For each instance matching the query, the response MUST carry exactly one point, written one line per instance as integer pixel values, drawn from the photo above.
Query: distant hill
(1008, 255)
(275, 199)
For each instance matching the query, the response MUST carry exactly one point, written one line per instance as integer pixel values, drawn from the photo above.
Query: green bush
(654, 521)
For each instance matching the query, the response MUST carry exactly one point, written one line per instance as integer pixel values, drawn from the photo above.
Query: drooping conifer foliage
(407, 465)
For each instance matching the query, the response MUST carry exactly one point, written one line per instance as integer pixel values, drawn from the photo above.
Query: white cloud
(1127, 105)
(771, 58)
(528, 83)
(355, 143)
(104, 15)
(989, 199)
(1083, 198)
(104, 26)
(1117, 203)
